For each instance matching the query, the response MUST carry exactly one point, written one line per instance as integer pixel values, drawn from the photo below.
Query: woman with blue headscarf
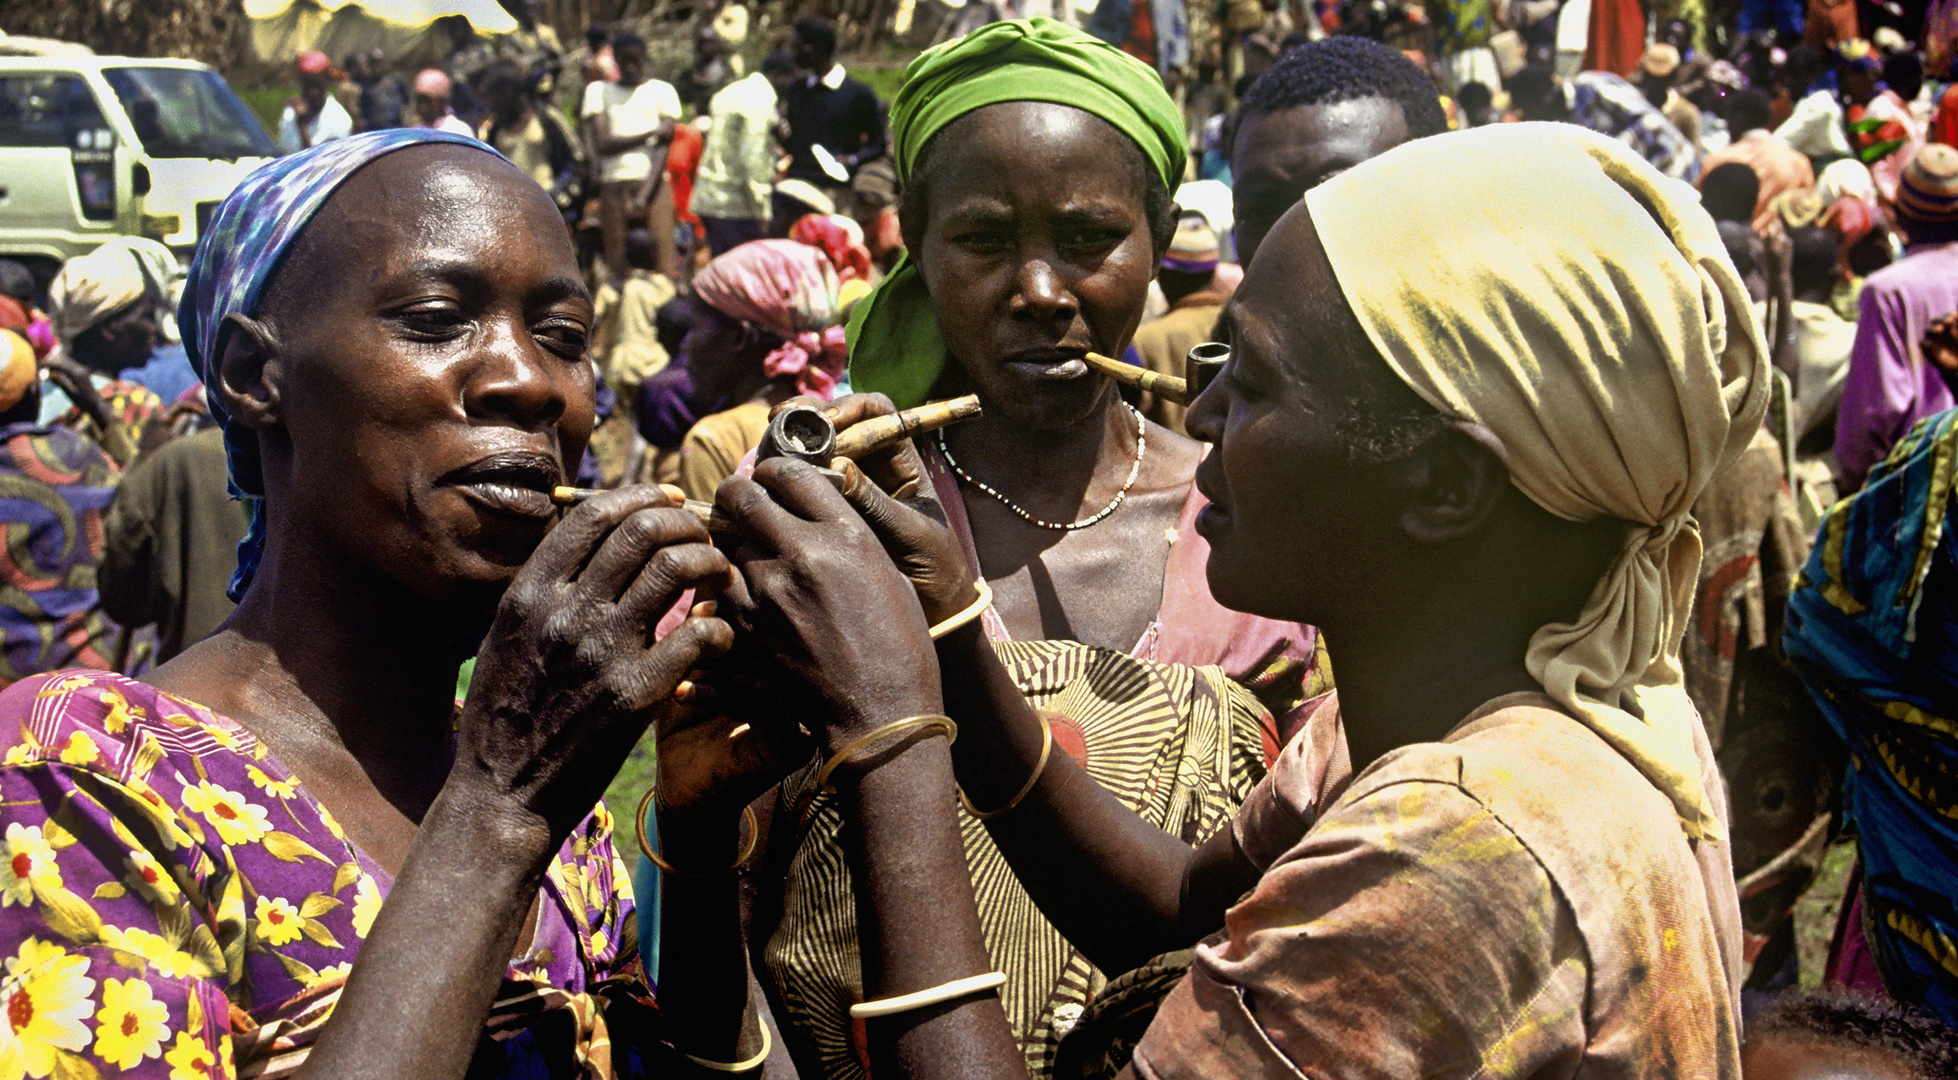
(391, 331)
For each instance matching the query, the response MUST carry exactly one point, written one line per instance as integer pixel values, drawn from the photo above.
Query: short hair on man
(1746, 110)
(779, 62)
(1730, 192)
(1347, 68)
(505, 76)
(1813, 259)
(1849, 1021)
(818, 32)
(627, 41)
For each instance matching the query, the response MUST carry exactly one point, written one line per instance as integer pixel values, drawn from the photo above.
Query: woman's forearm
(426, 975)
(920, 923)
(1118, 888)
(703, 977)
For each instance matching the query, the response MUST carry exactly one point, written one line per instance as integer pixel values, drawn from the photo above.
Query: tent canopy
(284, 29)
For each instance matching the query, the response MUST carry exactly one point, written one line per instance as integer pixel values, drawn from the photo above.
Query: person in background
(1189, 281)
(1156, 32)
(1476, 107)
(628, 124)
(1896, 134)
(382, 92)
(534, 137)
(1814, 124)
(19, 307)
(828, 108)
(711, 70)
(1872, 627)
(1889, 387)
(626, 343)
(769, 326)
(1462, 29)
(429, 107)
(1822, 337)
(1612, 107)
(1326, 107)
(793, 200)
(1833, 1035)
(737, 164)
(1780, 168)
(314, 116)
(54, 485)
(1730, 193)
(105, 318)
(170, 543)
(874, 193)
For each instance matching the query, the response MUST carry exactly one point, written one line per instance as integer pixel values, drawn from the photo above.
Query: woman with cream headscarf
(1486, 425)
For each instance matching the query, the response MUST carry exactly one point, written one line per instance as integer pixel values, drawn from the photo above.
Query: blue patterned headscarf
(238, 254)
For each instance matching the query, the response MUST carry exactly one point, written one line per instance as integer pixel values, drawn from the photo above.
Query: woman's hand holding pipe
(570, 675)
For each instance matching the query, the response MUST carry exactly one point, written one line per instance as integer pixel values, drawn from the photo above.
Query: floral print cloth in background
(54, 486)
(173, 903)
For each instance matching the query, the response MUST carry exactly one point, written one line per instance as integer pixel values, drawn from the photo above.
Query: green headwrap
(895, 347)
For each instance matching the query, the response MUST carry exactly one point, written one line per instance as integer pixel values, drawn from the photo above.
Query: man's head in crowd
(502, 88)
(1730, 192)
(629, 52)
(432, 90)
(1904, 73)
(779, 69)
(315, 78)
(1927, 196)
(1322, 109)
(815, 44)
(1814, 263)
(1846, 1037)
(1535, 95)
(1748, 110)
(1190, 264)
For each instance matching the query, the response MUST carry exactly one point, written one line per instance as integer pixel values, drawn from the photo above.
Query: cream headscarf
(93, 287)
(1610, 346)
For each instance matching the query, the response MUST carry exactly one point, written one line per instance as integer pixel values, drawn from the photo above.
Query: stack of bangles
(937, 995)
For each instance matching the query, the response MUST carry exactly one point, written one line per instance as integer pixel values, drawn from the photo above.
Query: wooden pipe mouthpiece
(1149, 382)
(887, 431)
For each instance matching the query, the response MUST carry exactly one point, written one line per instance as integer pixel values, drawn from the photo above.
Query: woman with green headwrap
(1038, 165)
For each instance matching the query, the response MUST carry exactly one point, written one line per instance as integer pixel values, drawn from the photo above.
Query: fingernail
(703, 610)
(685, 691)
(739, 730)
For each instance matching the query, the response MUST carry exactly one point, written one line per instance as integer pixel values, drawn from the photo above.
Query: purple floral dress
(173, 903)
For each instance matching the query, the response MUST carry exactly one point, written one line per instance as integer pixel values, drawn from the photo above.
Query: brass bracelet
(646, 845)
(968, 613)
(909, 723)
(1039, 767)
(749, 1065)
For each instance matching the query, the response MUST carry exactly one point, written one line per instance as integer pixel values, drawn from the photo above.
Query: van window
(187, 113)
(48, 110)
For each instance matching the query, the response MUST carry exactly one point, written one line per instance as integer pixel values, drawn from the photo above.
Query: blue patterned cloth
(249, 235)
(1873, 628)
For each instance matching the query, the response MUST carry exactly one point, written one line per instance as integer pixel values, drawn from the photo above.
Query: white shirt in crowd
(451, 124)
(737, 164)
(631, 110)
(331, 123)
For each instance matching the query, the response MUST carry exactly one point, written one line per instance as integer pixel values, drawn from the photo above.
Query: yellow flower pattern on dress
(190, 1058)
(170, 894)
(237, 821)
(46, 995)
(278, 921)
(29, 863)
(130, 1025)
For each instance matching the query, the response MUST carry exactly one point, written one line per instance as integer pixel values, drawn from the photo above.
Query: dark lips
(513, 482)
(1049, 364)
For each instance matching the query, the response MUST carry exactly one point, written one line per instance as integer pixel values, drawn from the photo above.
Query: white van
(95, 146)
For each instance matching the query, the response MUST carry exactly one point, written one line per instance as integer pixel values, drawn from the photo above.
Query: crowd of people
(1381, 710)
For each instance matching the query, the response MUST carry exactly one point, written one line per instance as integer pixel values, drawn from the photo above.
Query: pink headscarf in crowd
(839, 238)
(788, 289)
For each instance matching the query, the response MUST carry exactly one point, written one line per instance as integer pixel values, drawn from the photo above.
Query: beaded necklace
(1061, 526)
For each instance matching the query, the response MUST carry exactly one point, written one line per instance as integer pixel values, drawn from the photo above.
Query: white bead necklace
(1135, 470)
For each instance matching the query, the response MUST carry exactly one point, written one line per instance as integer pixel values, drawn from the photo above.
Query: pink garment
(787, 289)
(1190, 627)
(839, 238)
(1889, 385)
(1889, 171)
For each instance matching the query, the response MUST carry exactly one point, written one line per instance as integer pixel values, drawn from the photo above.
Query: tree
(214, 31)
